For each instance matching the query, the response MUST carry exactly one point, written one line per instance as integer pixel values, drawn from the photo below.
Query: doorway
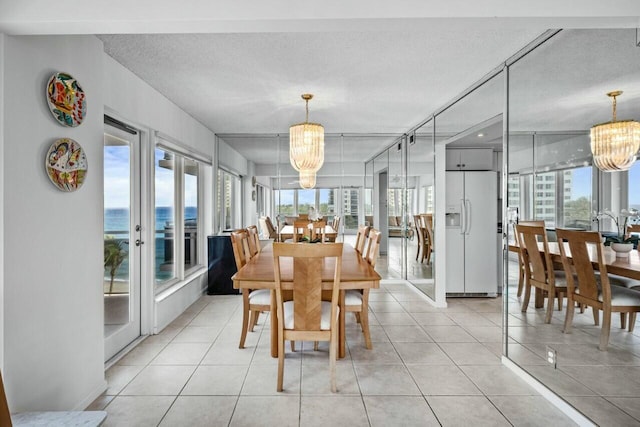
(122, 238)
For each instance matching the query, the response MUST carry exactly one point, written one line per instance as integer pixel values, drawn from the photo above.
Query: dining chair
(357, 300)
(300, 230)
(307, 317)
(267, 228)
(318, 231)
(254, 240)
(361, 238)
(254, 301)
(335, 224)
(539, 271)
(591, 289)
(521, 269)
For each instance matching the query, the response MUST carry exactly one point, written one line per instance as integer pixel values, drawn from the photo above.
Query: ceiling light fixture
(306, 143)
(480, 135)
(614, 144)
(307, 179)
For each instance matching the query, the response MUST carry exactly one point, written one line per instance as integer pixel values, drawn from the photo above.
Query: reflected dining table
(258, 274)
(625, 267)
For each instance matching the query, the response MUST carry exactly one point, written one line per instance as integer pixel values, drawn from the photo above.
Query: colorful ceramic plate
(66, 99)
(66, 164)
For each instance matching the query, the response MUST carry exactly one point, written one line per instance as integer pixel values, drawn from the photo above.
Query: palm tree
(114, 255)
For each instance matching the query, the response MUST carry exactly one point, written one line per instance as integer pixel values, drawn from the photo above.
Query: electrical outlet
(552, 356)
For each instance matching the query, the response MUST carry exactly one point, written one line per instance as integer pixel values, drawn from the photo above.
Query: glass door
(122, 238)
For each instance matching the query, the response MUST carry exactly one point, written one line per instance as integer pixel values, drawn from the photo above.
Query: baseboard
(84, 404)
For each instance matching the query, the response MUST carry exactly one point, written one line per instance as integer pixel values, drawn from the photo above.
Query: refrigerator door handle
(467, 205)
(463, 220)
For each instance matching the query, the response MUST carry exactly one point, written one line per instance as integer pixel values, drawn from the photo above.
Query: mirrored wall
(556, 94)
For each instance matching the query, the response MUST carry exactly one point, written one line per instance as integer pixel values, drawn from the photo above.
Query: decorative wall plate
(66, 164)
(66, 99)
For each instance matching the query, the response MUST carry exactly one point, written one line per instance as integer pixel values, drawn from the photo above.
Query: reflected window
(165, 216)
(190, 214)
(576, 200)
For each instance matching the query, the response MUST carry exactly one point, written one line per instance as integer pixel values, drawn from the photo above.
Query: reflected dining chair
(300, 230)
(417, 223)
(427, 224)
(254, 240)
(590, 289)
(335, 224)
(318, 231)
(521, 270)
(253, 301)
(539, 271)
(361, 238)
(307, 317)
(357, 300)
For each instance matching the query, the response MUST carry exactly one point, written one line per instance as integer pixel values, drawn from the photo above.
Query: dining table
(626, 267)
(258, 273)
(287, 233)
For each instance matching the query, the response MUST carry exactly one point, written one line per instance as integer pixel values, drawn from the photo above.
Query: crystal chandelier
(307, 179)
(306, 143)
(614, 144)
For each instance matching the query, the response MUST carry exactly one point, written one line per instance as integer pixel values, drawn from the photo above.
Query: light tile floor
(428, 366)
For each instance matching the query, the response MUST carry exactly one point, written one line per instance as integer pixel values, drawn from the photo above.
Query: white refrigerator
(471, 222)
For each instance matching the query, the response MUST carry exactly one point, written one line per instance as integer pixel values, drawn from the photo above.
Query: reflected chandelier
(614, 144)
(306, 143)
(307, 179)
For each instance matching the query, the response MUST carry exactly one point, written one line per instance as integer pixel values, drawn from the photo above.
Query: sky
(116, 181)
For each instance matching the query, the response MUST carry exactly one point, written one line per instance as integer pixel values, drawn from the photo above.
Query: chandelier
(307, 179)
(306, 143)
(614, 144)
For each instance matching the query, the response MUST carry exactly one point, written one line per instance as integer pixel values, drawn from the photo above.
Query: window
(284, 202)
(546, 181)
(306, 199)
(350, 209)
(577, 197)
(229, 200)
(634, 178)
(177, 212)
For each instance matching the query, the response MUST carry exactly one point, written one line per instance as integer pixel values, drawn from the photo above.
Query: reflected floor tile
(406, 411)
(424, 353)
(530, 411)
(601, 412)
(630, 405)
(497, 380)
(605, 380)
(159, 380)
(137, 411)
(385, 380)
(470, 354)
(558, 381)
(216, 380)
(520, 354)
(282, 411)
(202, 411)
(332, 410)
(448, 334)
(466, 410)
(443, 380)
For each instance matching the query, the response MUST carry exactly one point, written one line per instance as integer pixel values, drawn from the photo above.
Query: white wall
(2, 156)
(53, 306)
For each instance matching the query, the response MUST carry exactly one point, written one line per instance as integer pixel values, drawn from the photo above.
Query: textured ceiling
(363, 82)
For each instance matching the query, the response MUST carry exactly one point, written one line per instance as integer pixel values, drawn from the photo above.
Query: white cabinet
(469, 159)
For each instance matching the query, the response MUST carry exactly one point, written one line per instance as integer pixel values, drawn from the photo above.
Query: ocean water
(116, 224)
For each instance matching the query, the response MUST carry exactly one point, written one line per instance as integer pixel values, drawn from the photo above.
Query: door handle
(468, 216)
(139, 242)
(463, 219)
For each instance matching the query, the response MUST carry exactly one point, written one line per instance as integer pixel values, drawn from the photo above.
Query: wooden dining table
(258, 273)
(625, 267)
